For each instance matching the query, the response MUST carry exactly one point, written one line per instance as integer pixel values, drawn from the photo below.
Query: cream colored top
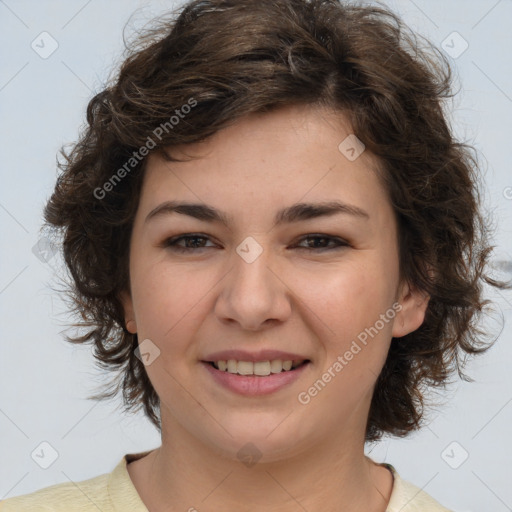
(115, 492)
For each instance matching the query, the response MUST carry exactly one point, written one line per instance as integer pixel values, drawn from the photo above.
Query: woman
(277, 243)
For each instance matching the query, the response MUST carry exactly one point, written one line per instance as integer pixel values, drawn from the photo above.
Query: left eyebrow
(294, 213)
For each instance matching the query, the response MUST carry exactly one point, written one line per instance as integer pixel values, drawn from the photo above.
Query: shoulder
(108, 492)
(406, 497)
(81, 496)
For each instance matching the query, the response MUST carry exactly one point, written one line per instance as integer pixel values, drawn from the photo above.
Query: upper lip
(261, 355)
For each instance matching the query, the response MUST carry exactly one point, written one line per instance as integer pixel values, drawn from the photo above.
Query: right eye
(192, 238)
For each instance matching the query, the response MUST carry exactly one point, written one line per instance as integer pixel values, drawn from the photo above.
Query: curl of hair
(237, 57)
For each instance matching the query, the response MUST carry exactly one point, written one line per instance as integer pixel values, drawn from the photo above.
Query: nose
(254, 294)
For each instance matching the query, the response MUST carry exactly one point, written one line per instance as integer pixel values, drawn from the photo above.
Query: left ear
(412, 314)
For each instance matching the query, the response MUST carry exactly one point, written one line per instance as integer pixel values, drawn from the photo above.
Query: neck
(186, 474)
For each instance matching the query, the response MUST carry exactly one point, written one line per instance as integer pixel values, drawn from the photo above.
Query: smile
(258, 378)
(259, 368)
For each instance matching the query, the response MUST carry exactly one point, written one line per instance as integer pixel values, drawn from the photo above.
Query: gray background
(45, 381)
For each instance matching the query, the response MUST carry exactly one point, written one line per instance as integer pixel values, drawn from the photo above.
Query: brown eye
(191, 242)
(321, 242)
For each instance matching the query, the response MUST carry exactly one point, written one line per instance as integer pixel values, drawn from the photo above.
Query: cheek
(165, 300)
(352, 306)
(349, 297)
(169, 305)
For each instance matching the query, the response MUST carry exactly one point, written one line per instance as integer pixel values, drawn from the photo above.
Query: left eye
(174, 243)
(339, 242)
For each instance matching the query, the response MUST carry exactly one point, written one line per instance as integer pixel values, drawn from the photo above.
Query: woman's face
(267, 285)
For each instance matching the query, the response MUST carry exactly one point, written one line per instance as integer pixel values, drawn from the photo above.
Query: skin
(291, 298)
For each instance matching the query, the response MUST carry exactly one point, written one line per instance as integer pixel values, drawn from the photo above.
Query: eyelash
(171, 243)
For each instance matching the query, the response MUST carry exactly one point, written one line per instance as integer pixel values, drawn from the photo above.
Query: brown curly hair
(225, 59)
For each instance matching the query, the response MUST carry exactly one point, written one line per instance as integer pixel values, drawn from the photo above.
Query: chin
(261, 439)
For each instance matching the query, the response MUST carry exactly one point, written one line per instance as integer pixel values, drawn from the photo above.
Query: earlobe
(412, 314)
(129, 314)
(131, 326)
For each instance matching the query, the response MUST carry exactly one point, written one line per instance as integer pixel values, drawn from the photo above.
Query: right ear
(129, 313)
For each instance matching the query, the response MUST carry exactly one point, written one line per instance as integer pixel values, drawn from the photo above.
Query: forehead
(294, 154)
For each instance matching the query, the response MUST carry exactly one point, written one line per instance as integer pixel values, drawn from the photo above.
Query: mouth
(257, 368)
(256, 378)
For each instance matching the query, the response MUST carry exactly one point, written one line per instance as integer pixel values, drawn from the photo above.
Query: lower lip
(252, 385)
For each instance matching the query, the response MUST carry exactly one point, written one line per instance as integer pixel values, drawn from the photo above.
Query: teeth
(245, 368)
(261, 368)
(276, 366)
